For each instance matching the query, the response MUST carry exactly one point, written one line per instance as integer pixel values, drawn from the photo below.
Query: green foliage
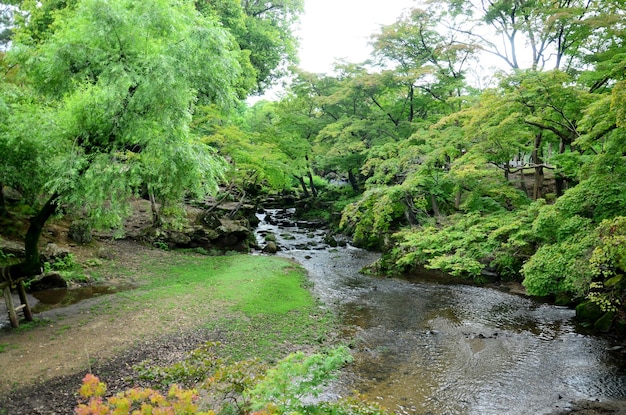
(256, 157)
(243, 387)
(67, 267)
(296, 377)
(110, 92)
(135, 401)
(601, 194)
(561, 267)
(264, 30)
(608, 266)
(465, 245)
(197, 366)
(231, 381)
(372, 216)
(553, 225)
(463, 248)
(5, 258)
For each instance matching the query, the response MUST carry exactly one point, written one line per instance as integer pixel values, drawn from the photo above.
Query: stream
(425, 347)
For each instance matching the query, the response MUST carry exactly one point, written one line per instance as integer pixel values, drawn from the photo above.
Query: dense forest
(482, 138)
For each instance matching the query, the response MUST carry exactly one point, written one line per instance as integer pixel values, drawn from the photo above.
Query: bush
(376, 213)
(197, 366)
(135, 401)
(465, 245)
(560, 268)
(608, 267)
(296, 377)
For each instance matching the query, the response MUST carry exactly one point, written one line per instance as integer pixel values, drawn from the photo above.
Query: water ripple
(422, 347)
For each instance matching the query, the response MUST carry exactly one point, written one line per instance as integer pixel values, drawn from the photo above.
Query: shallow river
(428, 348)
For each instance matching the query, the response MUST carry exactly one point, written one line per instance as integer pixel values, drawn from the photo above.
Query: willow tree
(114, 86)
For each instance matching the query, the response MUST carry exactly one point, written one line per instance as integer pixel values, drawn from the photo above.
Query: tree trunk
(156, 215)
(560, 181)
(313, 188)
(353, 182)
(31, 266)
(412, 103)
(3, 206)
(434, 206)
(559, 184)
(538, 186)
(303, 185)
(522, 182)
(457, 199)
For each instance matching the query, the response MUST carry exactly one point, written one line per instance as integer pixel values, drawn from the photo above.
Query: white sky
(339, 29)
(336, 29)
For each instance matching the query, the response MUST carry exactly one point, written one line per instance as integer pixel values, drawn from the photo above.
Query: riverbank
(255, 306)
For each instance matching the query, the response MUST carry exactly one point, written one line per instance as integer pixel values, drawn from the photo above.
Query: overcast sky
(332, 29)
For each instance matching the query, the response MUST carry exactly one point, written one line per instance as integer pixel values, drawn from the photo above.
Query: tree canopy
(100, 97)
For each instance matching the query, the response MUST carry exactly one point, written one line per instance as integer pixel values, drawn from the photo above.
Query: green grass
(259, 306)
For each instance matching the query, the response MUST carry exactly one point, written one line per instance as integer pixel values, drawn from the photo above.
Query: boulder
(53, 253)
(588, 312)
(330, 240)
(270, 247)
(11, 195)
(47, 281)
(11, 248)
(179, 238)
(604, 323)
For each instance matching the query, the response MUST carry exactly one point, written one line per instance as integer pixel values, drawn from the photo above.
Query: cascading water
(423, 347)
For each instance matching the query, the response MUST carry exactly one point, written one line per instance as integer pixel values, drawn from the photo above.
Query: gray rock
(53, 253)
(47, 281)
(270, 247)
(330, 240)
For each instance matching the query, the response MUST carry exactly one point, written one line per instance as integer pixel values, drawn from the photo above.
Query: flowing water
(424, 347)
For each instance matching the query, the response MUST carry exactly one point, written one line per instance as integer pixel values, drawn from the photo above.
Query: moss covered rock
(588, 312)
(605, 322)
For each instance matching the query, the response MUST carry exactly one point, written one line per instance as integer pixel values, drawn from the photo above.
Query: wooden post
(9, 302)
(24, 300)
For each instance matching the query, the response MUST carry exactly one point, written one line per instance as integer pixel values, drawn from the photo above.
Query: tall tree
(535, 34)
(115, 86)
(264, 29)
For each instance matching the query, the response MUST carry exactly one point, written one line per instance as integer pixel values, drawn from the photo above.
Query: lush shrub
(601, 194)
(466, 245)
(296, 377)
(560, 268)
(608, 266)
(372, 217)
(197, 366)
(136, 401)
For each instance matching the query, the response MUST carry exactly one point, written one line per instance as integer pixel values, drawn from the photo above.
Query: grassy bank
(255, 306)
(261, 306)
